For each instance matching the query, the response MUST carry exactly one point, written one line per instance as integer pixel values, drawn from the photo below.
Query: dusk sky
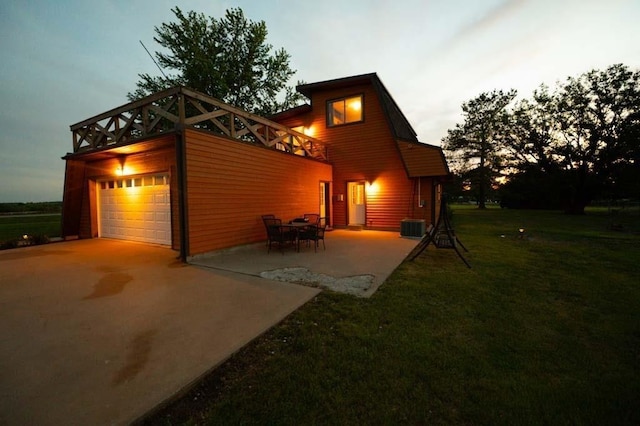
(64, 61)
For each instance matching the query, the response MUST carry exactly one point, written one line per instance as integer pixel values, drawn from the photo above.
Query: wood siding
(80, 203)
(368, 152)
(424, 203)
(231, 184)
(72, 198)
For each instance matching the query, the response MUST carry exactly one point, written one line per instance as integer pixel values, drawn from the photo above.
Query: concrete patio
(354, 262)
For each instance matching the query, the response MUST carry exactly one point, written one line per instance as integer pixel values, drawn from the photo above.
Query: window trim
(344, 98)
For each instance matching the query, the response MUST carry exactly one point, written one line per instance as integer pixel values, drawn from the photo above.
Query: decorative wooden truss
(181, 107)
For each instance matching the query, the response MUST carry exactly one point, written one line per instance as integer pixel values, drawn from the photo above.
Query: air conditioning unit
(412, 227)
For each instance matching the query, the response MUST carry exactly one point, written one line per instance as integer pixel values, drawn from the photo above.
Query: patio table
(296, 227)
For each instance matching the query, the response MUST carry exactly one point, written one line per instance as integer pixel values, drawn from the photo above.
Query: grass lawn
(18, 225)
(542, 330)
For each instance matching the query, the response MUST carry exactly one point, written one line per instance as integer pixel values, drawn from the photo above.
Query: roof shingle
(422, 160)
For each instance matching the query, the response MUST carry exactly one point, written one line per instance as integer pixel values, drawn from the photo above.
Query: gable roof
(422, 160)
(419, 159)
(398, 123)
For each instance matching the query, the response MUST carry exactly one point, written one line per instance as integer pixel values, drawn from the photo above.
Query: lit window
(344, 111)
(357, 195)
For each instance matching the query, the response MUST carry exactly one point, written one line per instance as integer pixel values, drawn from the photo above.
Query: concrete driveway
(101, 331)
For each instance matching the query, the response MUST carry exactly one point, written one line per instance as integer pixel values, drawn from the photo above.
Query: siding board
(231, 184)
(72, 198)
(364, 151)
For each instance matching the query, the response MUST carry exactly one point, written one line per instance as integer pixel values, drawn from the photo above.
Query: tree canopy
(227, 58)
(567, 146)
(475, 144)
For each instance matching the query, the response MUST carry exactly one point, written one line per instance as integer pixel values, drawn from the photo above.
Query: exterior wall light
(122, 169)
(372, 188)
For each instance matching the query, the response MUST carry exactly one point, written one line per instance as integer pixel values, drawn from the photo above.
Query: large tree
(583, 137)
(476, 143)
(597, 116)
(534, 178)
(227, 58)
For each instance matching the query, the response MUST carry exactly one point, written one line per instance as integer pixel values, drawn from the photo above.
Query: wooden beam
(196, 119)
(127, 107)
(147, 116)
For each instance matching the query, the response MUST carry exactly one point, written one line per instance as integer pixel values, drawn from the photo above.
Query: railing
(181, 107)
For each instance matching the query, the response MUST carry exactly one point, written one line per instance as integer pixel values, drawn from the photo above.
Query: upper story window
(344, 111)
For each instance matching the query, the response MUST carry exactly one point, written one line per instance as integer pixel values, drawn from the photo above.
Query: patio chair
(305, 233)
(277, 234)
(312, 218)
(267, 216)
(316, 233)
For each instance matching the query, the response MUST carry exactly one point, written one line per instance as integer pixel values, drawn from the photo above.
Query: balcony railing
(180, 107)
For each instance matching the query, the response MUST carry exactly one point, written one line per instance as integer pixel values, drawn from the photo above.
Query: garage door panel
(133, 212)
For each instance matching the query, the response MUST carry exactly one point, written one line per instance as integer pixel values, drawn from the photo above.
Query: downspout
(420, 206)
(181, 164)
(434, 191)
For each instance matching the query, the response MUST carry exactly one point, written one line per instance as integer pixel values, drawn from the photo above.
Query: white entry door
(356, 203)
(137, 209)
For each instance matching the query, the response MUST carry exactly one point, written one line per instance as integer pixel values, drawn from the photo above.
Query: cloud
(485, 22)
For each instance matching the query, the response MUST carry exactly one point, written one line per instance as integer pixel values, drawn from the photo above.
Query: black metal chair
(312, 218)
(316, 233)
(267, 216)
(277, 234)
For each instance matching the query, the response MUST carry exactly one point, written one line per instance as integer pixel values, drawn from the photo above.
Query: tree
(595, 112)
(530, 128)
(535, 179)
(227, 58)
(583, 138)
(476, 143)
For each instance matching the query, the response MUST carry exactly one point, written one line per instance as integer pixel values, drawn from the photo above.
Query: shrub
(9, 244)
(38, 239)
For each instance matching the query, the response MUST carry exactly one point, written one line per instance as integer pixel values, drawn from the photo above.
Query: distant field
(15, 226)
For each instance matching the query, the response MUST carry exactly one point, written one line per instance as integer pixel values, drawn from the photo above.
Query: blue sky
(65, 61)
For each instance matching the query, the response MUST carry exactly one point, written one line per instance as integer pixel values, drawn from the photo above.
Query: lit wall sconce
(122, 169)
(372, 188)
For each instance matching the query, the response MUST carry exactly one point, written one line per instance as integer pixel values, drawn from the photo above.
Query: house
(382, 174)
(183, 169)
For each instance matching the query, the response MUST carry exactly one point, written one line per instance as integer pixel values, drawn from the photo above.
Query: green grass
(16, 226)
(542, 330)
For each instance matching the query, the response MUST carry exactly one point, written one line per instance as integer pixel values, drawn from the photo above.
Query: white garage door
(137, 209)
